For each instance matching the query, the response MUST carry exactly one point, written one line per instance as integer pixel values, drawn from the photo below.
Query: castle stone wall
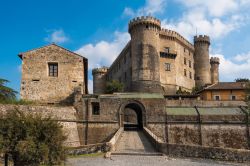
(65, 115)
(201, 57)
(99, 80)
(214, 62)
(219, 123)
(161, 61)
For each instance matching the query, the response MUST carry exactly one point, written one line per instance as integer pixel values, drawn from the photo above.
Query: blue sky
(97, 29)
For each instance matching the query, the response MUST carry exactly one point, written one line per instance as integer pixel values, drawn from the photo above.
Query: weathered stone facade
(160, 60)
(214, 61)
(221, 124)
(38, 82)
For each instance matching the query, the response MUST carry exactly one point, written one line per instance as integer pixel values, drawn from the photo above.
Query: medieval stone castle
(154, 60)
(154, 64)
(159, 60)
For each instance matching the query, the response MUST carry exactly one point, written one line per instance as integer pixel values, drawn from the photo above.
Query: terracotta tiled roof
(227, 86)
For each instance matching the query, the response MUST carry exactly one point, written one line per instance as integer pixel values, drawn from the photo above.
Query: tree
(6, 93)
(196, 89)
(242, 80)
(114, 86)
(182, 92)
(30, 139)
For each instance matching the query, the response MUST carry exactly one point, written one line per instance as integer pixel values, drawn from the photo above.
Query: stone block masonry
(158, 60)
(65, 115)
(50, 74)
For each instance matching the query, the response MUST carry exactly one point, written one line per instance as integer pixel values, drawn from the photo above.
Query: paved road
(135, 142)
(144, 161)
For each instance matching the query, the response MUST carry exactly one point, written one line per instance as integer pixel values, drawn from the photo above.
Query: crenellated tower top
(202, 39)
(176, 35)
(100, 70)
(215, 60)
(145, 20)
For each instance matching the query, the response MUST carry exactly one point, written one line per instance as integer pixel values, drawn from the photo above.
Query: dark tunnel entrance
(132, 117)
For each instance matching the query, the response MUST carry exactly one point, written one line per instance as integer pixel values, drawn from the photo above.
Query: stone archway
(132, 116)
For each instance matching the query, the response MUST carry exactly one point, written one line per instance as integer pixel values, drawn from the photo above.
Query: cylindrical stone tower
(144, 33)
(99, 80)
(201, 59)
(214, 61)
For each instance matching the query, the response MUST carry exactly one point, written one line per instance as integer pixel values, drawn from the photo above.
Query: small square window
(95, 109)
(217, 98)
(166, 49)
(53, 69)
(167, 67)
(233, 97)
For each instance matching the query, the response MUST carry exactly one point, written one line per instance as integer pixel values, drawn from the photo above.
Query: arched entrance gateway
(132, 116)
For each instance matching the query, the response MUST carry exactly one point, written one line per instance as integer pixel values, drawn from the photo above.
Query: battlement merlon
(214, 60)
(100, 70)
(202, 39)
(147, 20)
(173, 34)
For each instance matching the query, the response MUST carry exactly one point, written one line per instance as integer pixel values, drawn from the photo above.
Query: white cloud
(229, 70)
(57, 36)
(245, 57)
(104, 53)
(216, 8)
(190, 24)
(90, 86)
(216, 18)
(151, 7)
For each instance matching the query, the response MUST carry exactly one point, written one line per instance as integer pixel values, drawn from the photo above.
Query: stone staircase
(133, 142)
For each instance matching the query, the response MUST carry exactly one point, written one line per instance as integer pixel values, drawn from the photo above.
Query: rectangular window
(125, 60)
(95, 108)
(217, 97)
(185, 72)
(125, 76)
(167, 67)
(53, 69)
(184, 49)
(185, 61)
(190, 64)
(233, 97)
(190, 75)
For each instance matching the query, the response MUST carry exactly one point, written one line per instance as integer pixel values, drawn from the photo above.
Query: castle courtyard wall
(207, 125)
(66, 116)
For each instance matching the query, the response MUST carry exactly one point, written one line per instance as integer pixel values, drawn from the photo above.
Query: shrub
(30, 139)
(114, 86)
